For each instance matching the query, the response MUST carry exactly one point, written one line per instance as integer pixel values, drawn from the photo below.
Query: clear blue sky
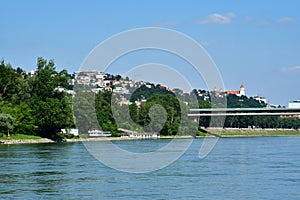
(253, 42)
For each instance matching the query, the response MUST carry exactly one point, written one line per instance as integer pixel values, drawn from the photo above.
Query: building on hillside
(235, 92)
(273, 106)
(239, 93)
(124, 101)
(90, 77)
(260, 99)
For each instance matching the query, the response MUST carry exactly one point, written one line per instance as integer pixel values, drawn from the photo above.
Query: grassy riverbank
(20, 137)
(25, 139)
(254, 133)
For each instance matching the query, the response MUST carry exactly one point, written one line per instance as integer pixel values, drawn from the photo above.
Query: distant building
(121, 90)
(273, 106)
(90, 77)
(239, 93)
(124, 101)
(235, 92)
(72, 131)
(294, 104)
(260, 99)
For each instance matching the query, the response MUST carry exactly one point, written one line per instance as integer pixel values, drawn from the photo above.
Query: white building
(260, 99)
(72, 131)
(294, 104)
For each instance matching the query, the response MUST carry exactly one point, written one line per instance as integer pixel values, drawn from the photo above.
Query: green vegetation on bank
(254, 133)
(20, 137)
(32, 105)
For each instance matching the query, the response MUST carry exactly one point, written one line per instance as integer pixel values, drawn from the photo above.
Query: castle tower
(242, 90)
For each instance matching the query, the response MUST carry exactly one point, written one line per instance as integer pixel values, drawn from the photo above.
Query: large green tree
(52, 109)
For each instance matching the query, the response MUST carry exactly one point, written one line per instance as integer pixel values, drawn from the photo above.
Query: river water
(237, 168)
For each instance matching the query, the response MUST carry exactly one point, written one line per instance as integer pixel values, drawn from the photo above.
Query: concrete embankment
(27, 141)
(45, 140)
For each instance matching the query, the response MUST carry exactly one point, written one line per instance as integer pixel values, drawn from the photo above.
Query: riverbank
(26, 141)
(235, 132)
(224, 133)
(45, 140)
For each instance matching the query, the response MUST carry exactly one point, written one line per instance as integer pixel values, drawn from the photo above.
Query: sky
(252, 42)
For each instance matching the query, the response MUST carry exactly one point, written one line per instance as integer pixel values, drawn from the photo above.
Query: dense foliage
(34, 102)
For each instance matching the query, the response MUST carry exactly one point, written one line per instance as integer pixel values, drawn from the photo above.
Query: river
(237, 168)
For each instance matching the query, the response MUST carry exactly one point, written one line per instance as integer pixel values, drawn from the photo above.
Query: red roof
(242, 86)
(233, 92)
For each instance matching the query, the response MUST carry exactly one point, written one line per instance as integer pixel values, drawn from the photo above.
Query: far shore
(223, 133)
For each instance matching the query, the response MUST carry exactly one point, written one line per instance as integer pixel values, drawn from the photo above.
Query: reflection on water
(238, 168)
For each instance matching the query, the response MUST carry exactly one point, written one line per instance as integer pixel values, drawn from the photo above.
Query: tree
(173, 110)
(6, 123)
(23, 119)
(51, 107)
(52, 115)
(44, 83)
(9, 81)
(103, 111)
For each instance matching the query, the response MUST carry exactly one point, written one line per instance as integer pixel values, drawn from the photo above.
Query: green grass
(20, 137)
(258, 133)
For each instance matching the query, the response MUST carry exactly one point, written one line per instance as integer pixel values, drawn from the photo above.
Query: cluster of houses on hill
(102, 81)
(124, 86)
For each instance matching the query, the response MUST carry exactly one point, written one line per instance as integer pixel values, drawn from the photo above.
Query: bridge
(210, 112)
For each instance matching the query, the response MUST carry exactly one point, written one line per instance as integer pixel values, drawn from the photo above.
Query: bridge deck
(244, 112)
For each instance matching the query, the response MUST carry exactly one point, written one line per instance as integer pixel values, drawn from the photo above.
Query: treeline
(34, 105)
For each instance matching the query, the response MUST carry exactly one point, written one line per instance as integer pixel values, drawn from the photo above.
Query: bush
(115, 134)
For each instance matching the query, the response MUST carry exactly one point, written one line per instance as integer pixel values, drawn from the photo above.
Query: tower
(242, 90)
